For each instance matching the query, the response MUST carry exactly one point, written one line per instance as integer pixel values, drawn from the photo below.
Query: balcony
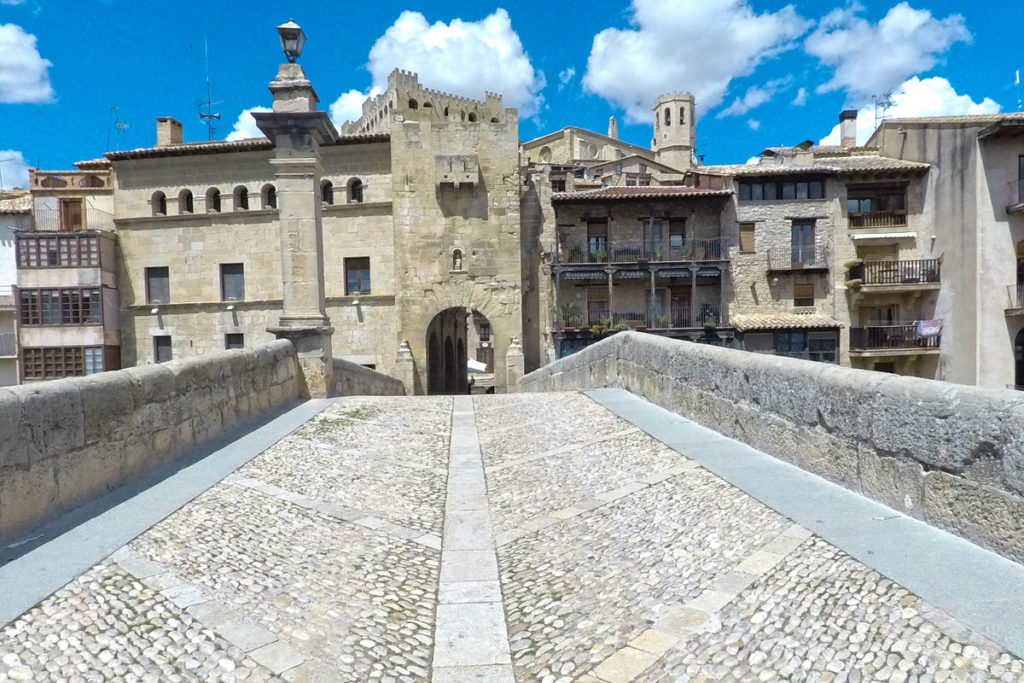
(601, 318)
(878, 219)
(1016, 195)
(896, 338)
(802, 258)
(6, 298)
(53, 220)
(626, 251)
(898, 275)
(8, 345)
(1015, 299)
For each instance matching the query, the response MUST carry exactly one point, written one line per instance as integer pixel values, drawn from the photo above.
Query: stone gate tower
(673, 141)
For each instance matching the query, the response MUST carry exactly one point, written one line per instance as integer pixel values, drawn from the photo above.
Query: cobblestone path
(383, 541)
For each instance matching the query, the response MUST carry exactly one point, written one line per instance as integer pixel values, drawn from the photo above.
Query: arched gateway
(446, 352)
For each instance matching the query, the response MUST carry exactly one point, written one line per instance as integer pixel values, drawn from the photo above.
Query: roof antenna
(882, 105)
(114, 122)
(208, 117)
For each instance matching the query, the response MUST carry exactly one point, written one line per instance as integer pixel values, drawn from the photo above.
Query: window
(162, 348)
(158, 202)
(789, 344)
(235, 340)
(61, 251)
(876, 206)
(61, 361)
(803, 244)
(158, 285)
(472, 117)
(28, 307)
(558, 185)
(232, 282)
(747, 238)
(413, 104)
(49, 304)
(241, 195)
(597, 238)
(652, 232)
(677, 239)
(268, 197)
(327, 192)
(357, 275)
(185, 203)
(355, 191)
(93, 359)
(803, 294)
(821, 346)
(788, 190)
(213, 200)
(682, 115)
(71, 214)
(668, 116)
(642, 168)
(79, 306)
(618, 169)
(485, 332)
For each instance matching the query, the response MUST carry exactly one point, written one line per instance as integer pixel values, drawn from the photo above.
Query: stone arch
(268, 197)
(213, 200)
(458, 260)
(472, 117)
(327, 192)
(355, 191)
(413, 104)
(158, 202)
(446, 352)
(185, 202)
(545, 154)
(241, 196)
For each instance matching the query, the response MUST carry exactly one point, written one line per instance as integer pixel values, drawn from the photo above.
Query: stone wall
(351, 379)
(68, 441)
(948, 454)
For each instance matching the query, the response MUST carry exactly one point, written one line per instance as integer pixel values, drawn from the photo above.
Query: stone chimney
(613, 128)
(168, 131)
(848, 128)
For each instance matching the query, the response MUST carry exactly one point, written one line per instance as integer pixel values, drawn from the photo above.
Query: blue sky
(763, 72)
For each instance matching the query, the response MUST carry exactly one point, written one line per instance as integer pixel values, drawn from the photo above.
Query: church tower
(673, 141)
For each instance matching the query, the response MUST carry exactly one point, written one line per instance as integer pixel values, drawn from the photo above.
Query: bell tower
(673, 141)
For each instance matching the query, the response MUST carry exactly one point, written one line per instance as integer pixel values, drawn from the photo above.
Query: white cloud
(801, 98)
(245, 127)
(869, 59)
(13, 169)
(917, 97)
(566, 75)
(754, 97)
(23, 72)
(754, 124)
(349, 106)
(465, 58)
(693, 45)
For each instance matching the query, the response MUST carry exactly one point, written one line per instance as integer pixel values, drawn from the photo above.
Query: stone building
(15, 217)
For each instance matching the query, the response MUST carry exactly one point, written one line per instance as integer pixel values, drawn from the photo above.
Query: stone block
(13, 450)
(27, 496)
(52, 419)
(88, 473)
(108, 405)
(980, 513)
(897, 482)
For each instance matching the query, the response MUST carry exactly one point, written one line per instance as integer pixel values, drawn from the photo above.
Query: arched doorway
(1018, 360)
(446, 352)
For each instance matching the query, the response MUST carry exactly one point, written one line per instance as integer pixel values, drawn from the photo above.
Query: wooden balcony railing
(632, 251)
(897, 335)
(677, 316)
(878, 219)
(898, 272)
(809, 257)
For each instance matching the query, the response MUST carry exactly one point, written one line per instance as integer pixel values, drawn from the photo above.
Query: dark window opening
(158, 286)
(232, 282)
(357, 275)
(234, 340)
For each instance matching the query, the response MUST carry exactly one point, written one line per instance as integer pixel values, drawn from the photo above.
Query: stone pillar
(405, 368)
(297, 130)
(515, 366)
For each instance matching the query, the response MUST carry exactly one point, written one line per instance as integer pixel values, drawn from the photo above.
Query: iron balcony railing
(50, 220)
(631, 251)
(878, 219)
(895, 335)
(799, 257)
(8, 344)
(1015, 294)
(897, 272)
(678, 315)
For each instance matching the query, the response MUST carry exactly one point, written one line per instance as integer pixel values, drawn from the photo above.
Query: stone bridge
(571, 534)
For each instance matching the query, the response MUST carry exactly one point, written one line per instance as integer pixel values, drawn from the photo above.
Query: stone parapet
(352, 379)
(67, 441)
(949, 454)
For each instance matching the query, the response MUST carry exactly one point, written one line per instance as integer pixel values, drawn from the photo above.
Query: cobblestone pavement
(618, 560)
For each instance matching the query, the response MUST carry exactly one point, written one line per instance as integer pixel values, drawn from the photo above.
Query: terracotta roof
(829, 166)
(767, 169)
(962, 118)
(16, 201)
(92, 164)
(874, 162)
(744, 322)
(619, 192)
(252, 144)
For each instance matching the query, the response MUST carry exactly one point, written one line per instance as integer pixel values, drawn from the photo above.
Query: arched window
(355, 191)
(213, 200)
(668, 116)
(241, 198)
(427, 105)
(185, 204)
(268, 197)
(327, 192)
(494, 119)
(457, 264)
(446, 112)
(682, 116)
(413, 104)
(159, 203)
(472, 117)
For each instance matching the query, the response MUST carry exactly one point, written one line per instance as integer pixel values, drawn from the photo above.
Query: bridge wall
(949, 454)
(67, 441)
(352, 379)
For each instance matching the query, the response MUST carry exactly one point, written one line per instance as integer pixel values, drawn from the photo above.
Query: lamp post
(297, 129)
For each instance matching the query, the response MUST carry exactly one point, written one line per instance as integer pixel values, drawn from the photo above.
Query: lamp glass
(292, 40)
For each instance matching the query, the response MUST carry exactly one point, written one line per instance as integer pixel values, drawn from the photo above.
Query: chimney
(613, 128)
(168, 131)
(848, 128)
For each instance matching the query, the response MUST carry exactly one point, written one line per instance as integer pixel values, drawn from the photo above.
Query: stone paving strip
(471, 641)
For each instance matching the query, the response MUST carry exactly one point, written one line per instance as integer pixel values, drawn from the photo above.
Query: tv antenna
(882, 105)
(115, 123)
(208, 117)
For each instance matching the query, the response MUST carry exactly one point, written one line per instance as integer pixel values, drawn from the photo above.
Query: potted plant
(599, 255)
(854, 284)
(660, 319)
(657, 253)
(855, 267)
(570, 316)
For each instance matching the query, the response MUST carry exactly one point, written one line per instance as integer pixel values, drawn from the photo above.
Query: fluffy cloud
(465, 58)
(693, 45)
(801, 98)
(24, 75)
(13, 169)
(245, 126)
(870, 59)
(917, 97)
(565, 77)
(349, 106)
(754, 97)
(753, 124)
